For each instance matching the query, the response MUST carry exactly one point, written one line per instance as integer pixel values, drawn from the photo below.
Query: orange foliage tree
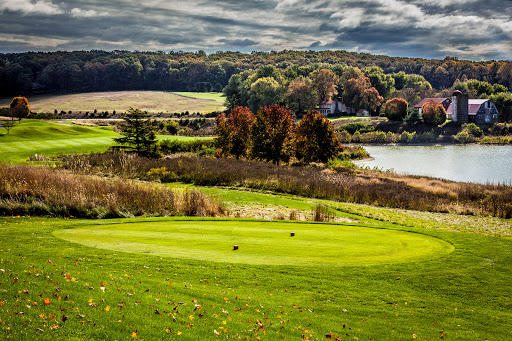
(272, 134)
(433, 113)
(315, 139)
(396, 109)
(325, 83)
(19, 108)
(233, 133)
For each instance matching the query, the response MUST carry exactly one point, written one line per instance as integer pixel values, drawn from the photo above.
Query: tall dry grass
(45, 191)
(338, 183)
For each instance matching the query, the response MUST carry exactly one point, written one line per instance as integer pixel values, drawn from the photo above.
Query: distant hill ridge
(86, 71)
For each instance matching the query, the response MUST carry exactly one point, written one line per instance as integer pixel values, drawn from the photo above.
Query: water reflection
(470, 163)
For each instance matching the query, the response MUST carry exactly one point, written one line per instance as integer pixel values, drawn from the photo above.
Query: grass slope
(152, 101)
(32, 137)
(54, 289)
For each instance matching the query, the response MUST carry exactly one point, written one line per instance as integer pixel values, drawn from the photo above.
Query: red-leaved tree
(315, 139)
(233, 133)
(433, 113)
(396, 109)
(272, 134)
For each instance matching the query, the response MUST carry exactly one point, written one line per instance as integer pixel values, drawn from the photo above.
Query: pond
(467, 163)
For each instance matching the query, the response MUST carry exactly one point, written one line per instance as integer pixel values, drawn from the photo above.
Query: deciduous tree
(371, 100)
(301, 96)
(396, 109)
(325, 83)
(315, 139)
(265, 91)
(19, 108)
(272, 133)
(433, 113)
(138, 134)
(8, 125)
(233, 133)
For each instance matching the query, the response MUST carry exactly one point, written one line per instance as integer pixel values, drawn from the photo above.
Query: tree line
(86, 71)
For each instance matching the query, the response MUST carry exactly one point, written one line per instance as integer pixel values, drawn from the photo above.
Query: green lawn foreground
(54, 289)
(50, 139)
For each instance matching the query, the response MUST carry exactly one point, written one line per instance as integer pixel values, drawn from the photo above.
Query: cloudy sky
(468, 29)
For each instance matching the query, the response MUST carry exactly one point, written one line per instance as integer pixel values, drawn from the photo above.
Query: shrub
(193, 146)
(474, 130)
(407, 137)
(464, 137)
(396, 109)
(361, 127)
(433, 113)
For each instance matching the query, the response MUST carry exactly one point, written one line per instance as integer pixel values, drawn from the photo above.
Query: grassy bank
(336, 183)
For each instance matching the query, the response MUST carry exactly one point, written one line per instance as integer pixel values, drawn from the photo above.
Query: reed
(26, 190)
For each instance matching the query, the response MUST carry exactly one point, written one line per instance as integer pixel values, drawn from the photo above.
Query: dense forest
(86, 71)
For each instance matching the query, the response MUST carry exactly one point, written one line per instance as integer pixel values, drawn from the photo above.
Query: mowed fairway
(152, 101)
(33, 137)
(48, 139)
(262, 242)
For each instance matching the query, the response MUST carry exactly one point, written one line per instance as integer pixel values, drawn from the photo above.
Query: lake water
(467, 163)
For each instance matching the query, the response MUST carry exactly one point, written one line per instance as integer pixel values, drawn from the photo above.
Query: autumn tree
(433, 113)
(396, 109)
(272, 133)
(19, 108)
(325, 83)
(138, 134)
(233, 133)
(265, 91)
(300, 95)
(371, 100)
(354, 89)
(315, 139)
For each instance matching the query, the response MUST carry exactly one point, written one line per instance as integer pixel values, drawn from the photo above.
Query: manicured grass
(50, 139)
(262, 242)
(152, 101)
(93, 293)
(32, 137)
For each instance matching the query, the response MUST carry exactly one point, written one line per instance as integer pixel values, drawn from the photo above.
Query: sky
(467, 29)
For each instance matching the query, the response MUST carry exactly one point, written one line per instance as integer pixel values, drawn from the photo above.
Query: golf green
(261, 242)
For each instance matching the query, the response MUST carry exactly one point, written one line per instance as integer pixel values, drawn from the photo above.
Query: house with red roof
(461, 109)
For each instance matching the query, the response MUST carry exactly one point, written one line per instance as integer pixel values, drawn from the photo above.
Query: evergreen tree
(138, 134)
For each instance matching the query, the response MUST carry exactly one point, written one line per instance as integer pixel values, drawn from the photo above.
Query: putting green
(261, 242)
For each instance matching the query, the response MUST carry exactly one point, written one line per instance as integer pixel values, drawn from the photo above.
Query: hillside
(120, 101)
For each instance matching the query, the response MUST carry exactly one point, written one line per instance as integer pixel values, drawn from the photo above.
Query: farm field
(152, 101)
(49, 139)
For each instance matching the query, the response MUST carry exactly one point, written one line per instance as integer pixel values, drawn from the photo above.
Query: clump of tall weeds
(27, 190)
(335, 183)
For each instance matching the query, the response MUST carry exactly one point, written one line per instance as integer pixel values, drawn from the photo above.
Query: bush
(361, 127)
(464, 137)
(473, 129)
(433, 113)
(193, 146)
(406, 137)
(396, 109)
(412, 117)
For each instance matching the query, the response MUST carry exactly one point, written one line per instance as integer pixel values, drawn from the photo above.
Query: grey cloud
(397, 27)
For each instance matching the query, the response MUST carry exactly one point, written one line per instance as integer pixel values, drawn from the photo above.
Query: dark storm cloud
(472, 29)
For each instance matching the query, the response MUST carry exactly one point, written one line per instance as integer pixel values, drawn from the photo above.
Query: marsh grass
(336, 183)
(46, 191)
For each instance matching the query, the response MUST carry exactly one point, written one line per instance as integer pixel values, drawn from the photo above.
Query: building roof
(360, 111)
(473, 106)
(327, 102)
(425, 100)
